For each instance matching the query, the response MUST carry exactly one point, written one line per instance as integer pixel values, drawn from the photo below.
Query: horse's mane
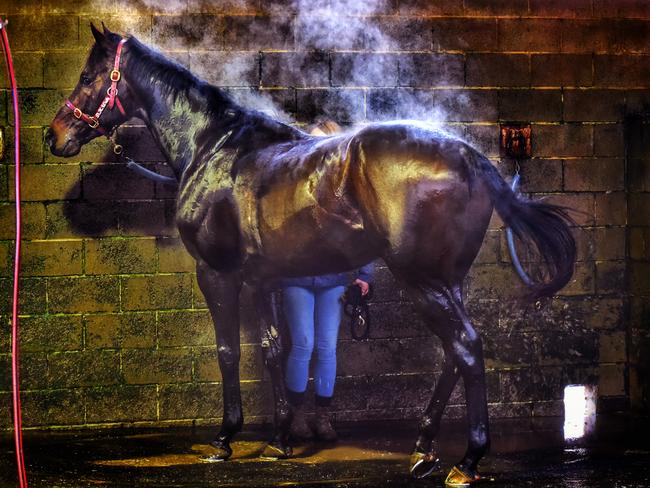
(173, 77)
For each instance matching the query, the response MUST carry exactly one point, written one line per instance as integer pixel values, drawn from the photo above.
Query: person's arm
(364, 277)
(366, 272)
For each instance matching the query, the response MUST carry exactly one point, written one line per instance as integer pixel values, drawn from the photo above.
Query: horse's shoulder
(208, 184)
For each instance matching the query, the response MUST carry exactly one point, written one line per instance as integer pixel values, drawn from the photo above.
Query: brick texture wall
(114, 329)
(637, 126)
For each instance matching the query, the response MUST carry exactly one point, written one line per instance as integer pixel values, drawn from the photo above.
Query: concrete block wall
(639, 260)
(114, 329)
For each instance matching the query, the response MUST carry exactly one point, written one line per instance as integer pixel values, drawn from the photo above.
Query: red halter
(110, 99)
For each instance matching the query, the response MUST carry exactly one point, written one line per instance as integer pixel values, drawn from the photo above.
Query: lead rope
(152, 175)
(355, 306)
(118, 150)
(15, 377)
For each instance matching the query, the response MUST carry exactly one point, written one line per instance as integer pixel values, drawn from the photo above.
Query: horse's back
(412, 145)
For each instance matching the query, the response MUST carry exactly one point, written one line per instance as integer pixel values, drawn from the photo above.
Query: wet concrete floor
(371, 455)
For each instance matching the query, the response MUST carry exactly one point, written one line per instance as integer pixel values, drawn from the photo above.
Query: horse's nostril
(50, 137)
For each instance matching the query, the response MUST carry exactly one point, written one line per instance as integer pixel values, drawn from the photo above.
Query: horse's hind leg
(278, 447)
(221, 291)
(424, 460)
(464, 357)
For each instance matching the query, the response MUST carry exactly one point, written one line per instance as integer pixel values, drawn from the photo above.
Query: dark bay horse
(259, 199)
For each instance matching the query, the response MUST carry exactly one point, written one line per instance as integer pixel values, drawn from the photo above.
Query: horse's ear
(110, 38)
(107, 33)
(99, 37)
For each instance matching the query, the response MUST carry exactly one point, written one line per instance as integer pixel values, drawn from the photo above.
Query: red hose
(15, 382)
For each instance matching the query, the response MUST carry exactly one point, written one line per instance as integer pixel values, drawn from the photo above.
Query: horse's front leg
(278, 447)
(221, 291)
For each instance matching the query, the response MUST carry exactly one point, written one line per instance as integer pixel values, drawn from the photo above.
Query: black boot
(323, 424)
(300, 429)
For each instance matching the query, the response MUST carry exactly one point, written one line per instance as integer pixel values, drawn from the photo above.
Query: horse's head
(93, 108)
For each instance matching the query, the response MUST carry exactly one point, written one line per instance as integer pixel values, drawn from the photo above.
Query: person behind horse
(312, 307)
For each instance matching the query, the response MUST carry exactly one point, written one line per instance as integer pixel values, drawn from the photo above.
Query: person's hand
(365, 287)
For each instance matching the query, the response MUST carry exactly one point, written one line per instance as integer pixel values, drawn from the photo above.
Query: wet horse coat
(327, 197)
(259, 200)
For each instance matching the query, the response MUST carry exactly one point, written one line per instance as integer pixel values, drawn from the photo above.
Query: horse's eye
(86, 80)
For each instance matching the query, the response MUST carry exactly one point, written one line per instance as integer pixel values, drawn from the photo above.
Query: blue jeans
(314, 316)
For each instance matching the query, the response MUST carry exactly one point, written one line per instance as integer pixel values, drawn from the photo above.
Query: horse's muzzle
(70, 147)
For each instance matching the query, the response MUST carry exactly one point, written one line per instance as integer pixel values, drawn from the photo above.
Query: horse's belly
(301, 234)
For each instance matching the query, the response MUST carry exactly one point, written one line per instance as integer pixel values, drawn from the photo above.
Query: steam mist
(350, 88)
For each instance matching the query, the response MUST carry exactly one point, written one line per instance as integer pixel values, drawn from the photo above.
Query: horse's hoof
(222, 451)
(423, 464)
(459, 479)
(274, 452)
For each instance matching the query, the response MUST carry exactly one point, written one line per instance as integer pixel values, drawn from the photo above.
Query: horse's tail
(544, 224)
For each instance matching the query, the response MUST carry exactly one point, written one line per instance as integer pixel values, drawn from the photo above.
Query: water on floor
(365, 456)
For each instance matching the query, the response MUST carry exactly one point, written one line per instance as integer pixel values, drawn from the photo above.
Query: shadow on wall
(113, 200)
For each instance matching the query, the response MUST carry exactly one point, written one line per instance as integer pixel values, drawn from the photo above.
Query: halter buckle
(117, 149)
(115, 75)
(95, 122)
(77, 113)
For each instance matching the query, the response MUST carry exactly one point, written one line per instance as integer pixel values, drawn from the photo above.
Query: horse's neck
(174, 104)
(176, 125)
(186, 128)
(188, 118)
